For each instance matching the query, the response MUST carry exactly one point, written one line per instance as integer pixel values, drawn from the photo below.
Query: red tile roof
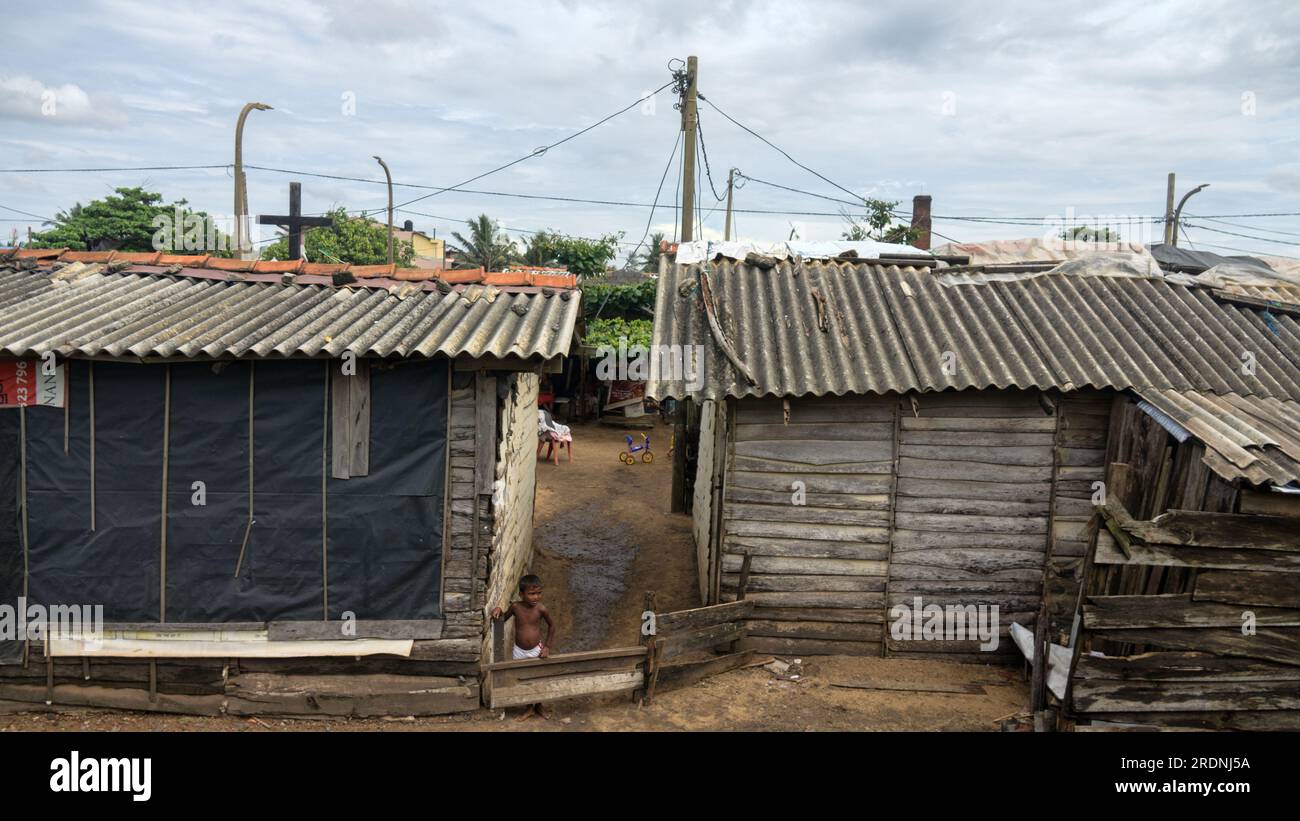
(368, 274)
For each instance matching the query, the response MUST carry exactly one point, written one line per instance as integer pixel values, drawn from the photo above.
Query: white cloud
(25, 98)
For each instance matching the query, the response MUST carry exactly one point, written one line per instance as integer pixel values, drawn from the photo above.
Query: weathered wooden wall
(1080, 466)
(1168, 594)
(973, 504)
(513, 485)
(1222, 654)
(819, 568)
(955, 498)
(702, 505)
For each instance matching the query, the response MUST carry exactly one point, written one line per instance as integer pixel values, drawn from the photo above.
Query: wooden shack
(293, 488)
(878, 434)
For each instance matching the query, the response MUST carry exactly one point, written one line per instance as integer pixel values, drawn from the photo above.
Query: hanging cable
(650, 220)
(537, 152)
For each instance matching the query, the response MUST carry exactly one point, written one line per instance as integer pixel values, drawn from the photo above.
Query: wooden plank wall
(702, 507)
(1183, 659)
(819, 569)
(1080, 463)
(973, 507)
(1169, 616)
(515, 483)
(463, 620)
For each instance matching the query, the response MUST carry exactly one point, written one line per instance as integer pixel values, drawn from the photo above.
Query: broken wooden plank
(1182, 666)
(1280, 644)
(685, 673)
(1095, 696)
(564, 658)
(1176, 610)
(533, 692)
(701, 617)
(1247, 588)
(348, 630)
(970, 689)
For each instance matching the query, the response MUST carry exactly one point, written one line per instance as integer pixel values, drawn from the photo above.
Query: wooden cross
(294, 221)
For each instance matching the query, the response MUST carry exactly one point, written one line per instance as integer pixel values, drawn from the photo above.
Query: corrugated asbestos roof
(85, 309)
(1255, 438)
(815, 329)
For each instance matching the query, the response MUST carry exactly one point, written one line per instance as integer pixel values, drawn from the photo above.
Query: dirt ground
(603, 537)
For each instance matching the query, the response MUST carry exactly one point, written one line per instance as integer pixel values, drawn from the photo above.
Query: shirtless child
(529, 613)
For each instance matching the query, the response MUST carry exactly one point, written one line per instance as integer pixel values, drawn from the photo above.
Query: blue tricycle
(626, 456)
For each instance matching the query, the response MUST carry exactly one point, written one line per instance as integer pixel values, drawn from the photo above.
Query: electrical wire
(773, 145)
(1183, 223)
(650, 220)
(1239, 225)
(26, 213)
(699, 129)
(537, 152)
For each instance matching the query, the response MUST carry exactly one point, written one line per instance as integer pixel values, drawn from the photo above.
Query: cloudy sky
(994, 109)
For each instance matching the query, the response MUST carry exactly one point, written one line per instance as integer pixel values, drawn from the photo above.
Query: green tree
(1084, 233)
(133, 219)
(650, 257)
(347, 239)
(877, 224)
(583, 257)
(487, 247)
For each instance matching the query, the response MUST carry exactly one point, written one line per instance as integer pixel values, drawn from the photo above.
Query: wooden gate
(564, 675)
(677, 654)
(678, 651)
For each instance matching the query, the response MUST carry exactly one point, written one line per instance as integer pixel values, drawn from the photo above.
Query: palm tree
(487, 246)
(650, 259)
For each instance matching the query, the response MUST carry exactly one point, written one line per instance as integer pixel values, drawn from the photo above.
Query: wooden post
(649, 672)
(744, 576)
(679, 457)
(690, 118)
(1038, 689)
(731, 187)
(1169, 210)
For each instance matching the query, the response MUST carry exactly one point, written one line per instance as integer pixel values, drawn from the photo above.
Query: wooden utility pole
(390, 207)
(731, 186)
(1169, 211)
(690, 117)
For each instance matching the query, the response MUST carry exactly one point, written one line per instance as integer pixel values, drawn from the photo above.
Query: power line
(773, 145)
(456, 221)
(1251, 227)
(26, 213)
(699, 129)
(536, 152)
(1236, 234)
(107, 170)
(1245, 251)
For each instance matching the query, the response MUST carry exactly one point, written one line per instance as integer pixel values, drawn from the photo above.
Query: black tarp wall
(384, 530)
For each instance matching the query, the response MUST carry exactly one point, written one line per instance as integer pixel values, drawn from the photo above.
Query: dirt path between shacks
(603, 536)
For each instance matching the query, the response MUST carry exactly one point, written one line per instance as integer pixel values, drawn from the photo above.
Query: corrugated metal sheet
(835, 329)
(83, 309)
(1252, 438)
